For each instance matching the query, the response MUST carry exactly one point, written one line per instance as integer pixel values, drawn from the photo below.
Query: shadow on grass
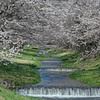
(28, 54)
(32, 50)
(29, 65)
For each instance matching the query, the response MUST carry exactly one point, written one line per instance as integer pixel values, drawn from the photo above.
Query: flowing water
(57, 85)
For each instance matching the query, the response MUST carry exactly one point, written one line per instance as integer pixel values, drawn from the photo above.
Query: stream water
(57, 85)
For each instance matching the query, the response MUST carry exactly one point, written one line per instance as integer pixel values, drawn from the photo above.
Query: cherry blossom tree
(69, 23)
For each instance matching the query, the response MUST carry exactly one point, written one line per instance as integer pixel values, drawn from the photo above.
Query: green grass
(19, 74)
(46, 49)
(6, 94)
(91, 77)
(88, 68)
(90, 71)
(70, 59)
(58, 52)
(22, 70)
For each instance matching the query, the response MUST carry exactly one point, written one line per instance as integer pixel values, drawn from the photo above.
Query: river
(57, 85)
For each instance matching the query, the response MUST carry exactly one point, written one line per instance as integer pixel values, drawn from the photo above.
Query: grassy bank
(22, 71)
(88, 68)
(6, 94)
(58, 51)
(70, 59)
